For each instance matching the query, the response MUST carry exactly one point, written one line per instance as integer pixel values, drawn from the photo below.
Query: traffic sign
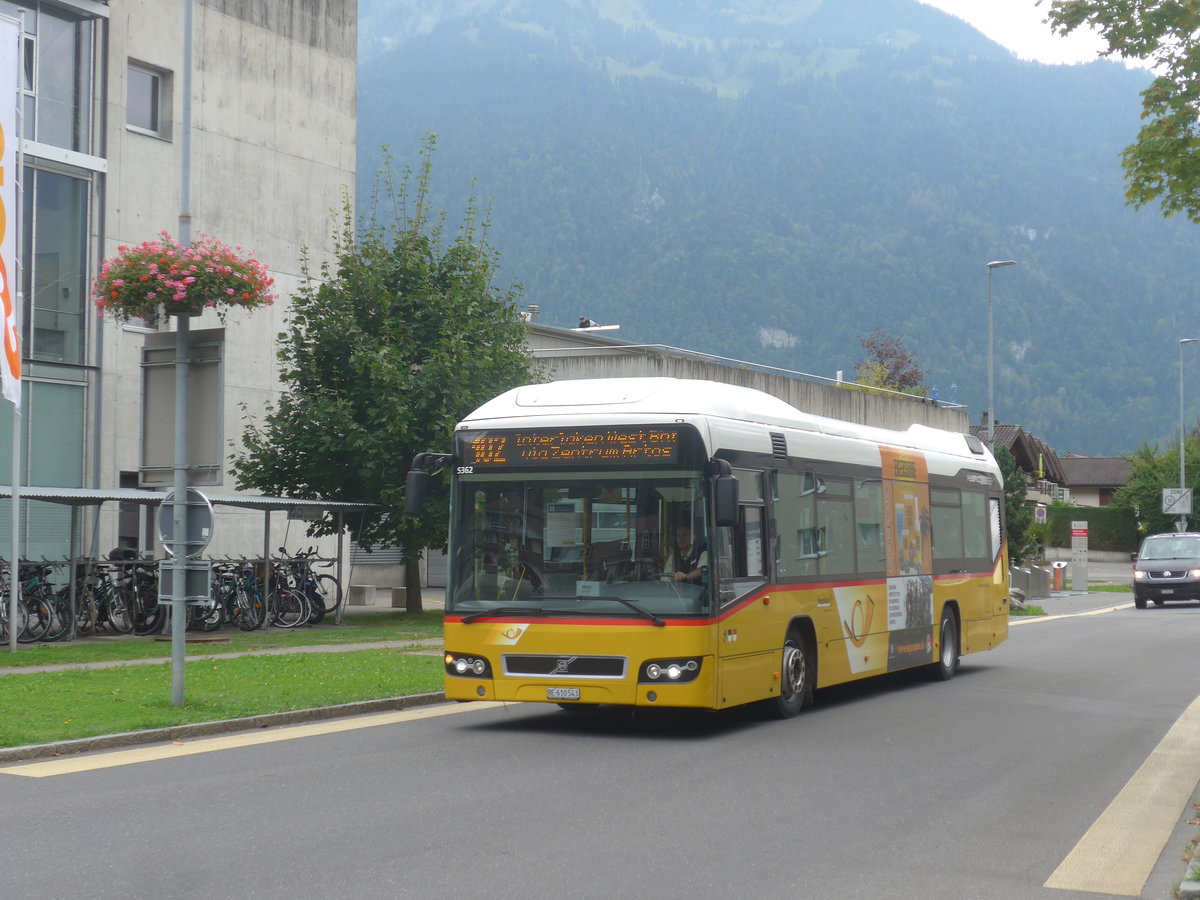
(1177, 501)
(199, 523)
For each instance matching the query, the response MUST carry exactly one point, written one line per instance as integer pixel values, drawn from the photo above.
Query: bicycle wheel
(39, 618)
(22, 619)
(290, 608)
(329, 590)
(207, 616)
(247, 613)
(60, 621)
(85, 612)
(120, 616)
(149, 614)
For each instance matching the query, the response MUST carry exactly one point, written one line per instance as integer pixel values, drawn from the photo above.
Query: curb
(1189, 889)
(221, 726)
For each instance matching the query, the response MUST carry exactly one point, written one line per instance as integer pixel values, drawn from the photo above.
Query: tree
(1164, 162)
(888, 364)
(383, 355)
(1150, 471)
(1018, 515)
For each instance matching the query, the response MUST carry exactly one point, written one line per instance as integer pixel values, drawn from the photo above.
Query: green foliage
(1018, 515)
(1150, 472)
(1163, 164)
(384, 353)
(1109, 527)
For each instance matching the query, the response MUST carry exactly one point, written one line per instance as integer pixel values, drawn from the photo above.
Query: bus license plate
(562, 693)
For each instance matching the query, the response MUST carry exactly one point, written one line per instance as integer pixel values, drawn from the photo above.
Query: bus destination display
(566, 446)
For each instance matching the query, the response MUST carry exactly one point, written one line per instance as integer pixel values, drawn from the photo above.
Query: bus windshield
(617, 543)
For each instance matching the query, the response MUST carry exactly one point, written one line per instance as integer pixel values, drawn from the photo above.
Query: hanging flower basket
(184, 281)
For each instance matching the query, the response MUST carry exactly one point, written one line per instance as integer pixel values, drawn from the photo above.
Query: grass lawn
(41, 707)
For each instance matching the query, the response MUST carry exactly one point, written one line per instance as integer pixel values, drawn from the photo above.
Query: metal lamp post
(991, 428)
(1182, 435)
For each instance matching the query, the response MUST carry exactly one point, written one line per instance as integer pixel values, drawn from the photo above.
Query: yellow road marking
(1117, 854)
(73, 764)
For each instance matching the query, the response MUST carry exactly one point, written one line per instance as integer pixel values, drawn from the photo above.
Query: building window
(145, 100)
(58, 60)
(54, 274)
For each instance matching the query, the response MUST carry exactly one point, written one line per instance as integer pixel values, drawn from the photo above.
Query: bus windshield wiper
(506, 611)
(637, 609)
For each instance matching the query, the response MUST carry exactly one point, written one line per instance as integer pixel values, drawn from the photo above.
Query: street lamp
(1182, 519)
(991, 429)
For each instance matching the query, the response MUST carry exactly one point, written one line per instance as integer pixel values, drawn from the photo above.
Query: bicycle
(234, 588)
(323, 591)
(5, 609)
(286, 606)
(49, 617)
(142, 599)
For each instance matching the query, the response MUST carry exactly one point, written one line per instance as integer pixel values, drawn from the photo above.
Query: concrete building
(271, 131)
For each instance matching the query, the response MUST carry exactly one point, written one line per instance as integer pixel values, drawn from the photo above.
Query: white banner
(10, 73)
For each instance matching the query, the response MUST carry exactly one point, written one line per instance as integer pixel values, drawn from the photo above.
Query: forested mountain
(771, 180)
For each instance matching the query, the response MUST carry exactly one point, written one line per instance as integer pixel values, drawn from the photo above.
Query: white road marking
(1117, 854)
(86, 763)
(1029, 620)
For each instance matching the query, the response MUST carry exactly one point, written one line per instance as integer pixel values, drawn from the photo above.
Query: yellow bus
(661, 542)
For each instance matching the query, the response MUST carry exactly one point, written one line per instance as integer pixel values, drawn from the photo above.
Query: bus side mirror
(415, 486)
(416, 483)
(726, 500)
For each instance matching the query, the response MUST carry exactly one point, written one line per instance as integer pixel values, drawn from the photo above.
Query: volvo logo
(563, 666)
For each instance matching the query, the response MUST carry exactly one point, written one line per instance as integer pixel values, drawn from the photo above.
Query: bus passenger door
(748, 638)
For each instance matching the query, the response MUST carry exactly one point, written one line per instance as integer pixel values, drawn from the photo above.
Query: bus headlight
(669, 671)
(467, 666)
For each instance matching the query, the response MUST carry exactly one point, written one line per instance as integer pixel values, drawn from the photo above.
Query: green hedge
(1109, 528)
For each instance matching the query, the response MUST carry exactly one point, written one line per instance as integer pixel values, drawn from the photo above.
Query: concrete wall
(273, 154)
(570, 355)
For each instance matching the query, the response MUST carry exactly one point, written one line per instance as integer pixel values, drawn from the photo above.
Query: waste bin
(1060, 575)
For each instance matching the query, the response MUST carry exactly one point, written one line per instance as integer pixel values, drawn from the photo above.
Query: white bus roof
(607, 401)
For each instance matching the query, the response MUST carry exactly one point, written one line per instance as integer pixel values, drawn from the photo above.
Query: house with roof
(1043, 469)
(1092, 480)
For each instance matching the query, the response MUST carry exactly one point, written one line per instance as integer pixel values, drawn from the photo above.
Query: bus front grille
(564, 666)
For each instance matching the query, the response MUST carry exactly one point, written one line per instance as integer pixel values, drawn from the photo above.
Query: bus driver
(687, 560)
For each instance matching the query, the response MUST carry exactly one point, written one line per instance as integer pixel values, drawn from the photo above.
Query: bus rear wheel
(947, 660)
(795, 679)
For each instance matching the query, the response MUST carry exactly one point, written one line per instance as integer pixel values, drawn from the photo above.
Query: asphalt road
(900, 788)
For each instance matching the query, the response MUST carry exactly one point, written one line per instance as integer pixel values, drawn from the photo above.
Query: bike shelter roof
(77, 498)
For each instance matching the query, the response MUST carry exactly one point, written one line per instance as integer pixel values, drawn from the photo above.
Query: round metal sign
(199, 523)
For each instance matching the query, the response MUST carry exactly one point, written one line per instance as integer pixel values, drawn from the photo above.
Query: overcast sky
(1018, 25)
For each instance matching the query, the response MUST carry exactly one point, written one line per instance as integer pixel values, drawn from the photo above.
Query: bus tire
(795, 678)
(948, 647)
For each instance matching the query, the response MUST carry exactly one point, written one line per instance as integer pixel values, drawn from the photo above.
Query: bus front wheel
(795, 679)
